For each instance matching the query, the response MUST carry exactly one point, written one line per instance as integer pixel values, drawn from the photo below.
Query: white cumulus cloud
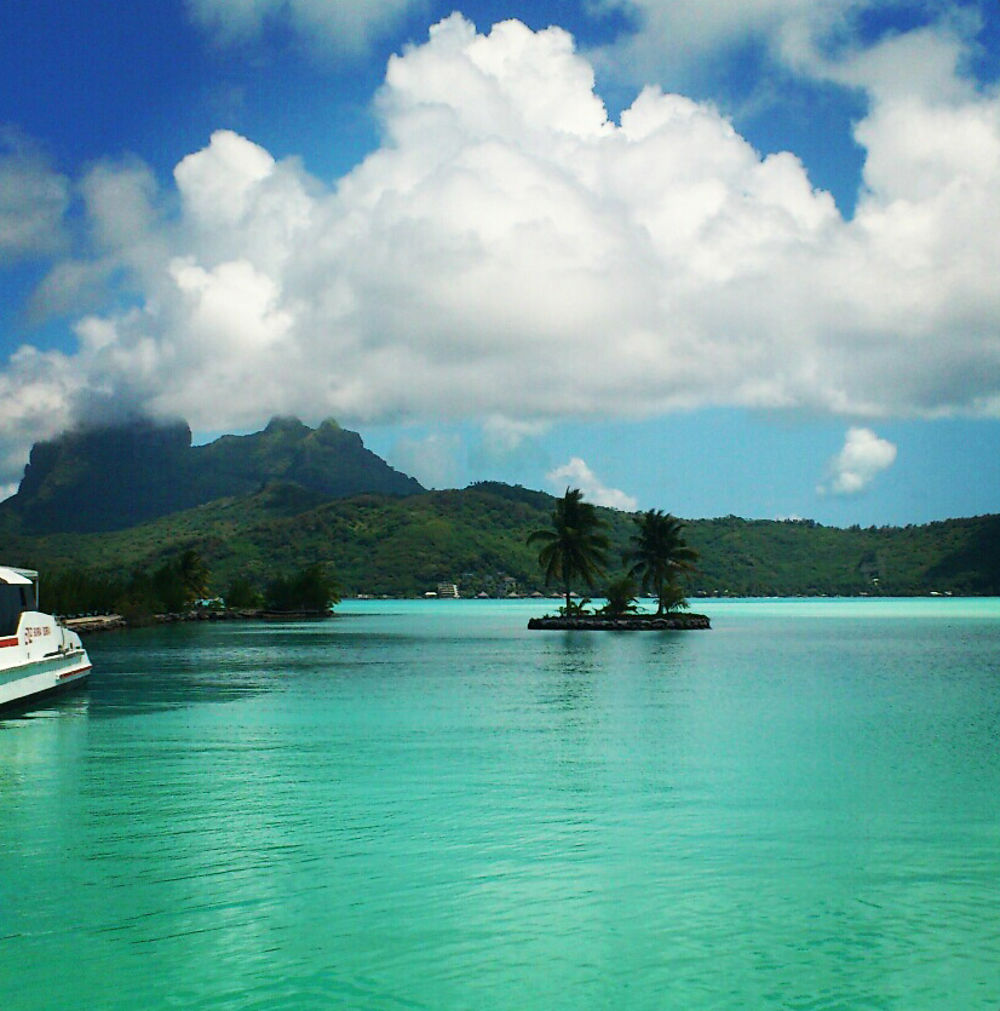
(576, 474)
(338, 25)
(511, 253)
(680, 41)
(33, 200)
(863, 457)
(679, 37)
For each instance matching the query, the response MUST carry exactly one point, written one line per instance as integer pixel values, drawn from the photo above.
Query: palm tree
(575, 547)
(193, 573)
(659, 555)
(620, 594)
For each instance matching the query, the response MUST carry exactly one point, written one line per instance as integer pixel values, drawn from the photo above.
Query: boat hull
(38, 654)
(26, 682)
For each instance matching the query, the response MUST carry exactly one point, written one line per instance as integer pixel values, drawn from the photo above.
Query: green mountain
(111, 478)
(274, 502)
(767, 558)
(475, 537)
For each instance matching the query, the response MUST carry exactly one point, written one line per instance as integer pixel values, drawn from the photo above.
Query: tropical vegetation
(477, 538)
(659, 556)
(242, 594)
(312, 589)
(173, 586)
(181, 584)
(620, 596)
(251, 507)
(575, 547)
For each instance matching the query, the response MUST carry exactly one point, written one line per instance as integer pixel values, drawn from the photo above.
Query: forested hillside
(378, 544)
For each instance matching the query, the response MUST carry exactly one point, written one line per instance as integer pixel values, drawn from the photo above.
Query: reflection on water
(163, 668)
(427, 806)
(63, 705)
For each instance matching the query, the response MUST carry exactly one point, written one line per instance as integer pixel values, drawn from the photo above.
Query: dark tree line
(311, 589)
(174, 586)
(181, 584)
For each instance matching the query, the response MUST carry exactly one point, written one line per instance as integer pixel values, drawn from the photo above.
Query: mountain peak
(115, 476)
(286, 423)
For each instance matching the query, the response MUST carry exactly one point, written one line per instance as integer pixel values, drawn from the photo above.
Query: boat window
(12, 603)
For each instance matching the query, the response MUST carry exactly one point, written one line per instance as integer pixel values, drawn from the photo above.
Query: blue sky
(702, 258)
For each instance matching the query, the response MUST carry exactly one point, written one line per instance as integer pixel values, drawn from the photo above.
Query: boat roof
(17, 576)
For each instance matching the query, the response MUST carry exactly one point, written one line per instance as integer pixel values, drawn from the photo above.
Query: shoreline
(90, 624)
(111, 622)
(626, 623)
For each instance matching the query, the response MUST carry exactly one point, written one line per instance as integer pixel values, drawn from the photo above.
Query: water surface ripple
(423, 805)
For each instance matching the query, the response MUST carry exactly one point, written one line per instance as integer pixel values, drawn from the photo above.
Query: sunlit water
(424, 805)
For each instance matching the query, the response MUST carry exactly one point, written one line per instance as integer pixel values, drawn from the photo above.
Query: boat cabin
(18, 593)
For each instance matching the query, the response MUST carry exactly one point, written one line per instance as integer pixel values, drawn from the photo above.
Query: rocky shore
(629, 623)
(109, 622)
(95, 623)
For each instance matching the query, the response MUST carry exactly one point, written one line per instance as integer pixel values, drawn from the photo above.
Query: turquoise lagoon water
(423, 805)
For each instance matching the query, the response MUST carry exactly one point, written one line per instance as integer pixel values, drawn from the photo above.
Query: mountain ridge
(280, 510)
(112, 477)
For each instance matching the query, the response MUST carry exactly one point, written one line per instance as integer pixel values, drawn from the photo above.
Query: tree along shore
(575, 549)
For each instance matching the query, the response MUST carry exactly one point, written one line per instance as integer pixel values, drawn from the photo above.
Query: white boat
(37, 653)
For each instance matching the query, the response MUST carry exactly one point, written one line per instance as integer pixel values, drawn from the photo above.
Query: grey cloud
(33, 200)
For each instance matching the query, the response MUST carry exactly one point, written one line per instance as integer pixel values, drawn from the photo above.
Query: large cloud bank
(511, 253)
